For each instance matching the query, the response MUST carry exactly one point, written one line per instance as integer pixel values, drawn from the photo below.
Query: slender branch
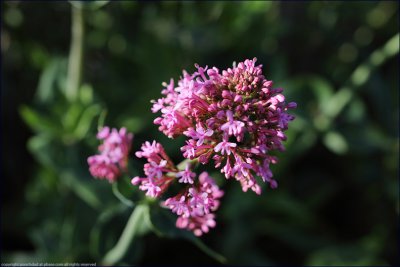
(75, 60)
(213, 254)
(182, 165)
(359, 77)
(121, 197)
(136, 225)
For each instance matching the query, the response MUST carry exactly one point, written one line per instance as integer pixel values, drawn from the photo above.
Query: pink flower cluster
(234, 117)
(194, 204)
(158, 170)
(113, 155)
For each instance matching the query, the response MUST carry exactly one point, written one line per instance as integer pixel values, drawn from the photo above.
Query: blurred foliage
(337, 201)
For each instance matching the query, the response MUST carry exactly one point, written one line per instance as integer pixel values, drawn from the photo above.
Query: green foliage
(163, 224)
(337, 200)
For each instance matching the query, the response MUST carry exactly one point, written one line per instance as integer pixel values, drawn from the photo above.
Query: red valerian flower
(234, 117)
(113, 155)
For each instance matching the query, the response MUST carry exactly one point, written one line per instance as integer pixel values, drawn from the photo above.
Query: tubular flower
(160, 171)
(234, 117)
(113, 155)
(196, 202)
(195, 205)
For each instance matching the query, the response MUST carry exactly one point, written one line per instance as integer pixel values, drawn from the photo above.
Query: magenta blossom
(195, 205)
(160, 170)
(234, 117)
(113, 155)
(186, 175)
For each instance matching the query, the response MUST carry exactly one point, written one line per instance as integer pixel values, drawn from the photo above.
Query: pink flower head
(195, 205)
(113, 155)
(155, 170)
(100, 166)
(233, 127)
(178, 205)
(233, 116)
(198, 225)
(186, 176)
(224, 147)
(151, 187)
(159, 170)
(149, 149)
(199, 134)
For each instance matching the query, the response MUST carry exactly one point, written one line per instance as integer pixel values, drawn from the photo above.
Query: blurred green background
(338, 197)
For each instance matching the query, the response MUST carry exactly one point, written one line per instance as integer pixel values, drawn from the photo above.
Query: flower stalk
(135, 226)
(122, 198)
(74, 76)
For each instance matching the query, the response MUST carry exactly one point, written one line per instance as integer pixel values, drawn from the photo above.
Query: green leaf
(48, 80)
(322, 89)
(85, 121)
(101, 120)
(86, 94)
(138, 224)
(82, 189)
(104, 218)
(89, 5)
(71, 117)
(360, 76)
(134, 124)
(43, 148)
(338, 102)
(38, 122)
(335, 142)
(121, 197)
(22, 257)
(349, 255)
(13, 17)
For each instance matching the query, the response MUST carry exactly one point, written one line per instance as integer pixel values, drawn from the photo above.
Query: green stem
(76, 53)
(182, 165)
(139, 222)
(97, 228)
(359, 77)
(221, 259)
(135, 226)
(102, 118)
(121, 197)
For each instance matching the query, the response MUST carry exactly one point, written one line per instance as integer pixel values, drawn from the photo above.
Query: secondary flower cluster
(234, 117)
(158, 170)
(113, 155)
(194, 204)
